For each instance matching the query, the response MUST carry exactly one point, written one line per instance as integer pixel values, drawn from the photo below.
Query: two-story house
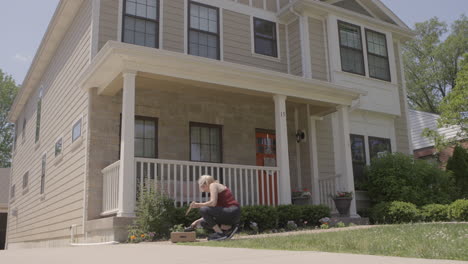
(265, 95)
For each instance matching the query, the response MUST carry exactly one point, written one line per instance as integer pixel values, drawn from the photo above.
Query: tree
(431, 65)
(8, 91)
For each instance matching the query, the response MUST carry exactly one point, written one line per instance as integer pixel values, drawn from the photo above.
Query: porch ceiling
(106, 69)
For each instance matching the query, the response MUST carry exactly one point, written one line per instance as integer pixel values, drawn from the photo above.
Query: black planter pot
(342, 204)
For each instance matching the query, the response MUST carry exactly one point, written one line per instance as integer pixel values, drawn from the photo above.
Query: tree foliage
(432, 65)
(8, 91)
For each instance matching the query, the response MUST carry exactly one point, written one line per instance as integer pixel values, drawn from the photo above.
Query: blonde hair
(206, 179)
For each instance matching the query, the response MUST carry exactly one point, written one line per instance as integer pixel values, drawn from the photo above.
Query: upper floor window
(24, 130)
(203, 31)
(265, 37)
(205, 142)
(141, 23)
(38, 116)
(352, 57)
(58, 147)
(12, 191)
(377, 55)
(25, 180)
(76, 130)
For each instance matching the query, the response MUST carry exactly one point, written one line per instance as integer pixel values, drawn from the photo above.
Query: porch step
(347, 220)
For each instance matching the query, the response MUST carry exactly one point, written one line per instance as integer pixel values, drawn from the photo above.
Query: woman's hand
(194, 205)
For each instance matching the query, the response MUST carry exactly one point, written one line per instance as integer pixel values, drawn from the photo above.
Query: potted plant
(301, 197)
(343, 202)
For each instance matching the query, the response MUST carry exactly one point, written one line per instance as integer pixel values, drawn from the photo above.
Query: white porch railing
(250, 185)
(110, 191)
(327, 187)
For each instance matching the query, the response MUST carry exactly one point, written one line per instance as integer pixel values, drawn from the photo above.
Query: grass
(430, 241)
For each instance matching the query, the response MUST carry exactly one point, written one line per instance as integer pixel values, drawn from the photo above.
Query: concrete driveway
(165, 253)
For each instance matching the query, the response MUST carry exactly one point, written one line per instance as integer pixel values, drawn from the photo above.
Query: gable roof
(419, 121)
(372, 8)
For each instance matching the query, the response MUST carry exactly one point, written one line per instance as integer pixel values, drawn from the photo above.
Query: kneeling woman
(221, 213)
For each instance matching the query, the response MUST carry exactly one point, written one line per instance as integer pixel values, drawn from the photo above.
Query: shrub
(458, 210)
(398, 177)
(458, 164)
(395, 213)
(154, 214)
(181, 219)
(266, 217)
(313, 213)
(435, 212)
(340, 224)
(288, 213)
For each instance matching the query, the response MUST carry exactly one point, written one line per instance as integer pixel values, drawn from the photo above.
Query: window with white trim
(58, 147)
(25, 180)
(205, 142)
(141, 23)
(352, 57)
(203, 31)
(377, 55)
(265, 37)
(43, 173)
(379, 146)
(76, 131)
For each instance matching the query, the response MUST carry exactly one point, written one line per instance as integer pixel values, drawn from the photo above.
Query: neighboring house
(126, 94)
(4, 184)
(423, 147)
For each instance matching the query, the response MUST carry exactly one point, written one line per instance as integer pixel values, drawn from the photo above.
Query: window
(205, 142)
(146, 137)
(76, 131)
(24, 130)
(352, 58)
(38, 116)
(265, 37)
(377, 55)
(58, 147)
(141, 23)
(25, 180)
(379, 146)
(203, 31)
(43, 171)
(12, 192)
(358, 155)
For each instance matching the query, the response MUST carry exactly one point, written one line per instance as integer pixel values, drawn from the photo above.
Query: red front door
(266, 156)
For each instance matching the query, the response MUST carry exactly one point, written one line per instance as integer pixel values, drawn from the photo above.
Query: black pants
(220, 216)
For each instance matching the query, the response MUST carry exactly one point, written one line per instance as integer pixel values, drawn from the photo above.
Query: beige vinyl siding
(271, 6)
(326, 156)
(238, 43)
(317, 49)
(401, 122)
(257, 3)
(245, 2)
(108, 21)
(295, 54)
(62, 104)
(173, 25)
(283, 3)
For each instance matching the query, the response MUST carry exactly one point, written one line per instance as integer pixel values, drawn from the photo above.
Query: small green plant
(340, 224)
(291, 226)
(458, 210)
(324, 226)
(177, 228)
(351, 224)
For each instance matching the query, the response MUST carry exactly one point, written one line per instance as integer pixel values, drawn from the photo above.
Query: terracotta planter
(342, 204)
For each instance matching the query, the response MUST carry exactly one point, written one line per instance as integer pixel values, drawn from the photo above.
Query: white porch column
(313, 157)
(127, 181)
(346, 179)
(282, 152)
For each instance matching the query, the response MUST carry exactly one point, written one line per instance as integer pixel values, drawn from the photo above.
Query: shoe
(230, 233)
(217, 237)
(189, 229)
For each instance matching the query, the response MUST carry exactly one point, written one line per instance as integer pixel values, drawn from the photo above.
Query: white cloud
(22, 57)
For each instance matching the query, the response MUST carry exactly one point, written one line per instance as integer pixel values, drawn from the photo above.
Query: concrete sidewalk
(171, 253)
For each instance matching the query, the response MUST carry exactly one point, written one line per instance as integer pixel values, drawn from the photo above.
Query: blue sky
(24, 22)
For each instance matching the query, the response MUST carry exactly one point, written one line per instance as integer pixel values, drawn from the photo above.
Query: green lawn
(431, 241)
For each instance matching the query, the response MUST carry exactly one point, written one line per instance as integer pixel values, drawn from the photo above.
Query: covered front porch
(127, 76)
